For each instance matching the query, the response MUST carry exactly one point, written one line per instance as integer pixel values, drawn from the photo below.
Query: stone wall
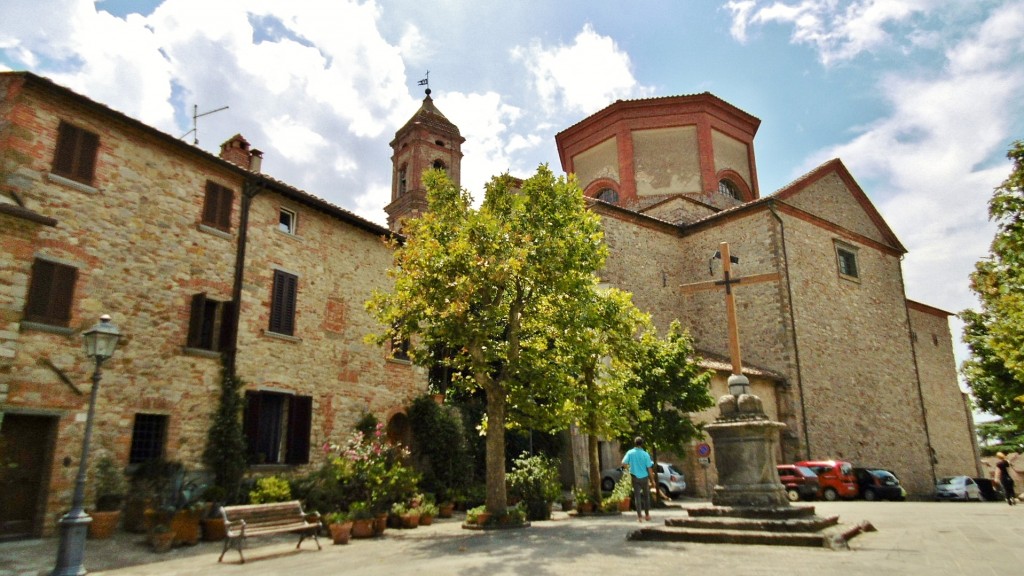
(950, 423)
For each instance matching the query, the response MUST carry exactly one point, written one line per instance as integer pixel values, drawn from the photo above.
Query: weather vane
(425, 82)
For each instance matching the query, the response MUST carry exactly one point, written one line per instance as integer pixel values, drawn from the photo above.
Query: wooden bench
(249, 520)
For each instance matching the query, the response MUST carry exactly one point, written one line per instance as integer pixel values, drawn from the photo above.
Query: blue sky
(919, 98)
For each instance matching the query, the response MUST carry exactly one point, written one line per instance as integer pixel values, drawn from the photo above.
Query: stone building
(100, 213)
(205, 263)
(856, 371)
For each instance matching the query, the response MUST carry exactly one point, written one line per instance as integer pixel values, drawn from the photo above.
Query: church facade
(207, 264)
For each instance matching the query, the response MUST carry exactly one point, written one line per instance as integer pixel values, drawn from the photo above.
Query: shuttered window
(50, 293)
(217, 206)
(277, 427)
(210, 324)
(75, 156)
(282, 303)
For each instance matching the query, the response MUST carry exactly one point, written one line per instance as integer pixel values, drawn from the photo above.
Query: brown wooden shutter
(89, 144)
(64, 155)
(282, 306)
(195, 322)
(227, 326)
(300, 420)
(51, 293)
(210, 204)
(227, 198)
(75, 155)
(251, 424)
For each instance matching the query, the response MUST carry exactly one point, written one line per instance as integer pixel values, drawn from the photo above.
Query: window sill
(848, 278)
(290, 236)
(215, 231)
(284, 337)
(399, 361)
(200, 352)
(40, 327)
(64, 181)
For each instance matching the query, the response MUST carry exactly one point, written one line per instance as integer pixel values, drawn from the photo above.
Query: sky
(920, 99)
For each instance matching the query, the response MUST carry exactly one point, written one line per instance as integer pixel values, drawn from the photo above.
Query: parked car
(878, 484)
(670, 480)
(800, 481)
(835, 476)
(957, 488)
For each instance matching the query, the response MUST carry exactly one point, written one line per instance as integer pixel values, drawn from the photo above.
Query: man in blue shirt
(641, 469)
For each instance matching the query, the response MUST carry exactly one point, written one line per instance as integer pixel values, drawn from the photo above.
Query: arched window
(728, 188)
(439, 164)
(401, 181)
(608, 195)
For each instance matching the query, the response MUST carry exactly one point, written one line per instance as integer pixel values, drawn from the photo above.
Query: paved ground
(913, 538)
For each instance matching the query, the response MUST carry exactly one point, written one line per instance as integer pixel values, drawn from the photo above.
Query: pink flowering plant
(366, 468)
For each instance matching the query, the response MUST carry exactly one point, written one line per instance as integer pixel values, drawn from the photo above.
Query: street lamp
(100, 342)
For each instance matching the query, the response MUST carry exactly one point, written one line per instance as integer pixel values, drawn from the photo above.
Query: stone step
(753, 512)
(812, 524)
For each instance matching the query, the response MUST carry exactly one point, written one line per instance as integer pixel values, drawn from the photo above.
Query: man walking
(641, 470)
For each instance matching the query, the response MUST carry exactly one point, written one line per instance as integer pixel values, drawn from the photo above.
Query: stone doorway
(26, 448)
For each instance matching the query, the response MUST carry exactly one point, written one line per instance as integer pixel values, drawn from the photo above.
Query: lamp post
(100, 341)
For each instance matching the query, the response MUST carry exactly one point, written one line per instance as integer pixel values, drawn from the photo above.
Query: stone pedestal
(745, 446)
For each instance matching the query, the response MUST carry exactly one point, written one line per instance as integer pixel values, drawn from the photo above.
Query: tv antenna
(195, 128)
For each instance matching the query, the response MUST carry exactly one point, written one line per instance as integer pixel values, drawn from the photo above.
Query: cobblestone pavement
(913, 538)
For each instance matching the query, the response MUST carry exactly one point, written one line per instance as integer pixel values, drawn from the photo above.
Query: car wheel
(830, 494)
(607, 485)
(870, 495)
(793, 494)
(665, 495)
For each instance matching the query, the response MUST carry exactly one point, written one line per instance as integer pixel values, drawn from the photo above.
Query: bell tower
(428, 140)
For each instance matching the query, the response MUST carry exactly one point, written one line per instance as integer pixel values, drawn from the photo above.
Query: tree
(672, 385)
(225, 450)
(995, 333)
(485, 284)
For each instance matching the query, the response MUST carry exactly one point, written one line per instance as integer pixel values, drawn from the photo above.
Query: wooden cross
(730, 304)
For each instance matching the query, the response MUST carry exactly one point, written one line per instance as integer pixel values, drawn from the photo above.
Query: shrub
(534, 479)
(271, 489)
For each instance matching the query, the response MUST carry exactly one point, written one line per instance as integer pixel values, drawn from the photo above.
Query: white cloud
(838, 30)
(584, 76)
(484, 121)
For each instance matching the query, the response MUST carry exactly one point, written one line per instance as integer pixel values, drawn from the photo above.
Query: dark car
(878, 484)
(989, 490)
(800, 481)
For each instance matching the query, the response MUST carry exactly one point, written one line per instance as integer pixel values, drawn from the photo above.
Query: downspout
(249, 191)
(792, 324)
(917, 376)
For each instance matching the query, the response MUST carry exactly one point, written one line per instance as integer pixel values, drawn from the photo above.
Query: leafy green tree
(225, 452)
(672, 386)
(485, 284)
(995, 333)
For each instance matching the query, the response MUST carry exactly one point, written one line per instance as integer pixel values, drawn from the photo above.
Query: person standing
(641, 471)
(1005, 480)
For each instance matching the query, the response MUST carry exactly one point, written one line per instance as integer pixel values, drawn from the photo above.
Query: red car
(836, 478)
(800, 481)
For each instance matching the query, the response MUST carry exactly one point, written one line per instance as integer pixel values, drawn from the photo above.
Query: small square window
(75, 156)
(286, 221)
(217, 206)
(148, 436)
(847, 260)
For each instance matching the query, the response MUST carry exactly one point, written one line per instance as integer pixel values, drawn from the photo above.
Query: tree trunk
(595, 458)
(496, 495)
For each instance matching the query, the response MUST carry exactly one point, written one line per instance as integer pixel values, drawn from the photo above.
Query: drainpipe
(249, 191)
(792, 324)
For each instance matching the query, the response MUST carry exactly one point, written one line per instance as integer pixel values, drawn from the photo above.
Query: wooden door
(25, 452)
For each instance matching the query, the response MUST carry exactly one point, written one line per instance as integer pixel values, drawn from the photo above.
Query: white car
(957, 488)
(670, 480)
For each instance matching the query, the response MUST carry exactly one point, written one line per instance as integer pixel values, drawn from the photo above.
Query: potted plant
(111, 489)
(340, 525)
(362, 520)
(622, 492)
(427, 512)
(479, 516)
(161, 538)
(584, 501)
(214, 529)
(534, 482)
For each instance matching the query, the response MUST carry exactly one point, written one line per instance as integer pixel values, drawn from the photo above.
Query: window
(400, 348)
(50, 293)
(401, 181)
(728, 188)
(282, 303)
(847, 259)
(286, 221)
(75, 156)
(439, 165)
(217, 206)
(277, 427)
(148, 435)
(210, 324)
(608, 195)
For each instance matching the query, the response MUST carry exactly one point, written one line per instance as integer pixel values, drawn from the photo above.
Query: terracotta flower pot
(162, 541)
(363, 528)
(380, 523)
(214, 529)
(426, 519)
(340, 532)
(624, 505)
(410, 520)
(103, 524)
(445, 510)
